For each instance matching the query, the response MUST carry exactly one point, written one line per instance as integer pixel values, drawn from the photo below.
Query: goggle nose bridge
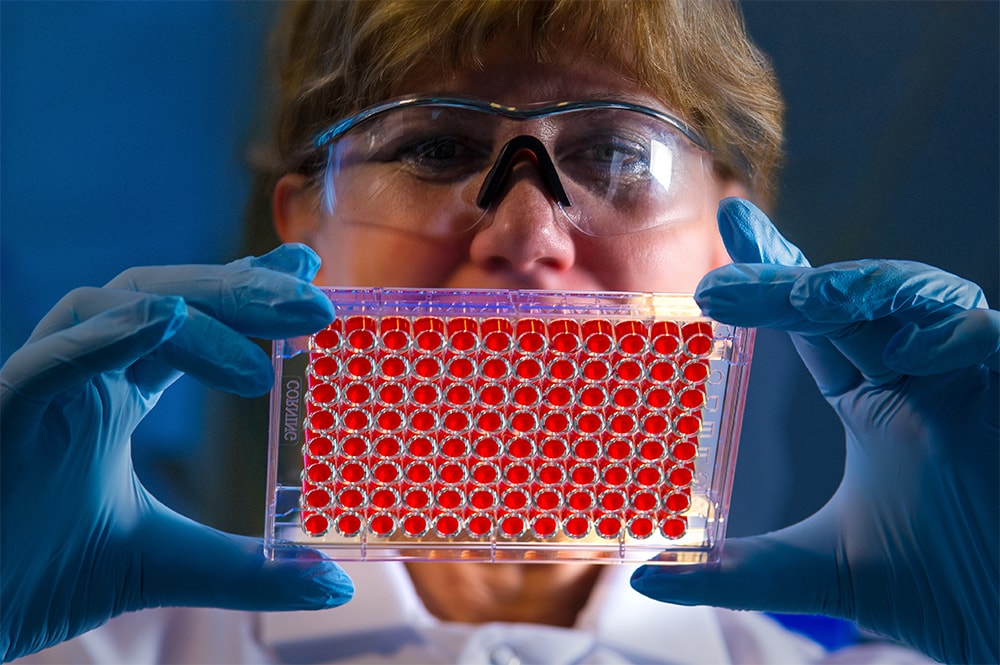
(497, 175)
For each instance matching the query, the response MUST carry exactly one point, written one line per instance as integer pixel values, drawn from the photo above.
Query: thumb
(189, 564)
(783, 571)
(750, 237)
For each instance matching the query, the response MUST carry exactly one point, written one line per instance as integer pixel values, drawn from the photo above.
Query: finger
(200, 346)
(967, 339)
(111, 340)
(757, 295)
(865, 304)
(88, 302)
(750, 237)
(189, 564)
(853, 291)
(784, 571)
(210, 352)
(294, 259)
(248, 295)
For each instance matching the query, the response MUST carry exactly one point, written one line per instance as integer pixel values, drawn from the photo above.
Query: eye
(442, 157)
(621, 156)
(606, 159)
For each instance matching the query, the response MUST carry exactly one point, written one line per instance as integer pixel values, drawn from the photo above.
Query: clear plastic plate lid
(506, 425)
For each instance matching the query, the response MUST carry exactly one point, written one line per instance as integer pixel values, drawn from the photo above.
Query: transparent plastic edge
(732, 426)
(287, 407)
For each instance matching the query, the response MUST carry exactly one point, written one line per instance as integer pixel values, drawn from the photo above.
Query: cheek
(671, 258)
(666, 260)
(365, 255)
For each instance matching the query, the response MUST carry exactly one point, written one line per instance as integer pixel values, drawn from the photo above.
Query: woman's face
(525, 242)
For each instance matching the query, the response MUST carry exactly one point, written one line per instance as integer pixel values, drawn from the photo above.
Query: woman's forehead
(515, 79)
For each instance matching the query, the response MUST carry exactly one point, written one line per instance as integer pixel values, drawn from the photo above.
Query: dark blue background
(124, 129)
(123, 135)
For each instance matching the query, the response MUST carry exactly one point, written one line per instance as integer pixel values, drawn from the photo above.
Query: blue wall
(123, 128)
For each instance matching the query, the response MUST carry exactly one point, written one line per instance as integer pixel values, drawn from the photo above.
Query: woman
(407, 216)
(430, 215)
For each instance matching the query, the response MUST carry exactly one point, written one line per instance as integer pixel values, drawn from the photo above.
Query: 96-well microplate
(506, 425)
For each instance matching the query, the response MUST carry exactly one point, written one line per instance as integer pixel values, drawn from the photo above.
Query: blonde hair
(335, 58)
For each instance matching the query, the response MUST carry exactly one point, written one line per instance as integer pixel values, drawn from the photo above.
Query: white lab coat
(387, 623)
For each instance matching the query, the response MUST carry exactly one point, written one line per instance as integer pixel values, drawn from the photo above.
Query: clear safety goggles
(440, 166)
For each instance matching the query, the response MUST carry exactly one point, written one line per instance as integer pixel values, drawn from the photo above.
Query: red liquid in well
(415, 525)
(382, 525)
(429, 333)
(481, 427)
(512, 525)
(388, 446)
(586, 449)
(462, 333)
(497, 335)
(423, 421)
(523, 422)
(428, 367)
(349, 525)
(548, 500)
(480, 525)
(321, 420)
(318, 498)
(325, 366)
(319, 473)
(417, 499)
(577, 527)
(447, 525)
(580, 500)
(420, 446)
(320, 447)
(383, 499)
(612, 501)
(329, 339)
(350, 498)
(485, 474)
(545, 526)
(553, 448)
(419, 472)
(487, 448)
(386, 473)
(517, 474)
(482, 499)
(454, 447)
(609, 527)
(530, 335)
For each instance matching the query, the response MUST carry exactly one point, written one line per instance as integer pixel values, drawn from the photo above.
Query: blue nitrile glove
(82, 540)
(907, 355)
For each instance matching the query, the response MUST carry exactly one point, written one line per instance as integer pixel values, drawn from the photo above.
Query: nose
(524, 230)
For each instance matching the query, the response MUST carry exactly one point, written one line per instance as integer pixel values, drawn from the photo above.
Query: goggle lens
(618, 168)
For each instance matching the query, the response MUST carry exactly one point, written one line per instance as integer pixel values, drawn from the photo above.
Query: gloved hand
(82, 540)
(907, 355)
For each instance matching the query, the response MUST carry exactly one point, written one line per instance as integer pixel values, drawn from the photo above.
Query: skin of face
(526, 244)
